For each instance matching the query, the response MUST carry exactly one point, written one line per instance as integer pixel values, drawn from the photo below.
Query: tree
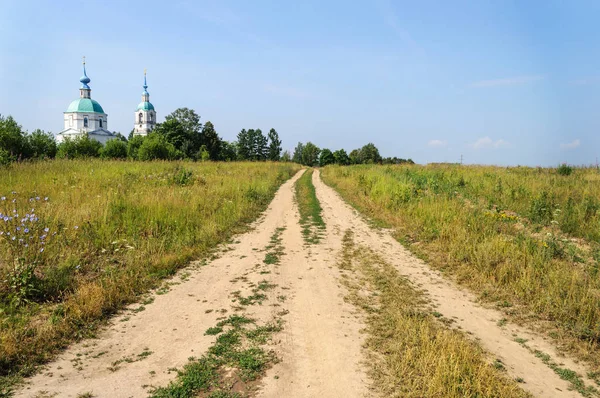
(79, 147)
(228, 151)
(297, 157)
(286, 157)
(244, 149)
(341, 157)
(326, 158)
(355, 157)
(13, 139)
(188, 118)
(370, 154)
(121, 136)
(114, 149)
(274, 151)
(310, 154)
(133, 146)
(156, 146)
(258, 143)
(42, 145)
(211, 141)
(175, 133)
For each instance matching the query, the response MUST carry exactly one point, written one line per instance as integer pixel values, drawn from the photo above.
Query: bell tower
(145, 115)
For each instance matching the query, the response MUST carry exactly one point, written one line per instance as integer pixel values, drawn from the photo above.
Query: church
(86, 116)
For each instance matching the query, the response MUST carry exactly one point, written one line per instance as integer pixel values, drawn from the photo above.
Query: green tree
(228, 151)
(174, 133)
(274, 151)
(157, 147)
(310, 154)
(13, 139)
(120, 136)
(370, 154)
(42, 145)
(211, 141)
(286, 157)
(114, 149)
(355, 157)
(244, 148)
(258, 143)
(326, 157)
(79, 147)
(341, 157)
(133, 146)
(189, 120)
(297, 157)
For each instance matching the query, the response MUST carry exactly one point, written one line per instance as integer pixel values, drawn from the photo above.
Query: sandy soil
(320, 346)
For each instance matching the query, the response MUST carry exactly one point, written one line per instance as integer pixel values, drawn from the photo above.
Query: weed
(310, 209)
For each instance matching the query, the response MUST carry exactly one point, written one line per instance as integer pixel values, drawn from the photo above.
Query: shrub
(133, 146)
(5, 157)
(42, 145)
(564, 170)
(182, 176)
(156, 147)
(114, 149)
(79, 147)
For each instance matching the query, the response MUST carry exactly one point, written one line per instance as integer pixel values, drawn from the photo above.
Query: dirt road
(319, 348)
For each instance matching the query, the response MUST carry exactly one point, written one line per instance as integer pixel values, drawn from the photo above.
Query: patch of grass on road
(412, 354)
(310, 209)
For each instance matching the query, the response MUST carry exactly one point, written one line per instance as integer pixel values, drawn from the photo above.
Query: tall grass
(525, 238)
(120, 227)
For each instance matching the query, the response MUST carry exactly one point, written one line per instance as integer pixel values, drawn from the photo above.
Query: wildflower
(3, 198)
(46, 199)
(37, 198)
(26, 230)
(42, 250)
(76, 227)
(46, 229)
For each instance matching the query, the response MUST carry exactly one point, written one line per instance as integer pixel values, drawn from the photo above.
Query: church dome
(85, 105)
(145, 106)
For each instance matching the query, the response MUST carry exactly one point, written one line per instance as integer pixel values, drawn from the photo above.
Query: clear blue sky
(499, 82)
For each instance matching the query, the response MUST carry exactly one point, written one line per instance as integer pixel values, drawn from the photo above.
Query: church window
(85, 121)
(141, 117)
(70, 120)
(100, 120)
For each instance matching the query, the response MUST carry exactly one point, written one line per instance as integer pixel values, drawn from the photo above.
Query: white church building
(86, 116)
(145, 115)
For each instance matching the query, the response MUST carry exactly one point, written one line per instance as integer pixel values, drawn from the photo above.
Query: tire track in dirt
(319, 347)
(455, 303)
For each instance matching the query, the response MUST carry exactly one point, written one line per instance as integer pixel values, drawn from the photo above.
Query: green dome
(145, 106)
(85, 105)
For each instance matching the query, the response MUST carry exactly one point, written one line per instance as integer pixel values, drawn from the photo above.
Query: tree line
(311, 155)
(180, 136)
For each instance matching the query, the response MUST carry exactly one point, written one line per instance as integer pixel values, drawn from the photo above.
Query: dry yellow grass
(412, 354)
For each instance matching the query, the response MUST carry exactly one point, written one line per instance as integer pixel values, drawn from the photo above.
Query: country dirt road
(320, 346)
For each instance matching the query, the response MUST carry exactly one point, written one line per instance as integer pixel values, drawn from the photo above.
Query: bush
(79, 147)
(564, 170)
(133, 146)
(156, 147)
(42, 145)
(114, 149)
(5, 157)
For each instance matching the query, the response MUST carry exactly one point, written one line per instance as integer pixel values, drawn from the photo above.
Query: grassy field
(525, 239)
(80, 239)
(309, 208)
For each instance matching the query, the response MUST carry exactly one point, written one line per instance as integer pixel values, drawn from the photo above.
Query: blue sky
(498, 82)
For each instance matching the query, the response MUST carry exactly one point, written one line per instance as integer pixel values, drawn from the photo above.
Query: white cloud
(488, 143)
(570, 145)
(508, 81)
(437, 143)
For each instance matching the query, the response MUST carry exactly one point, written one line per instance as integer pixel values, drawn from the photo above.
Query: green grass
(525, 238)
(310, 209)
(120, 228)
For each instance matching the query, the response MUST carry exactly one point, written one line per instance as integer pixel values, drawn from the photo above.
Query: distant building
(145, 115)
(85, 116)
